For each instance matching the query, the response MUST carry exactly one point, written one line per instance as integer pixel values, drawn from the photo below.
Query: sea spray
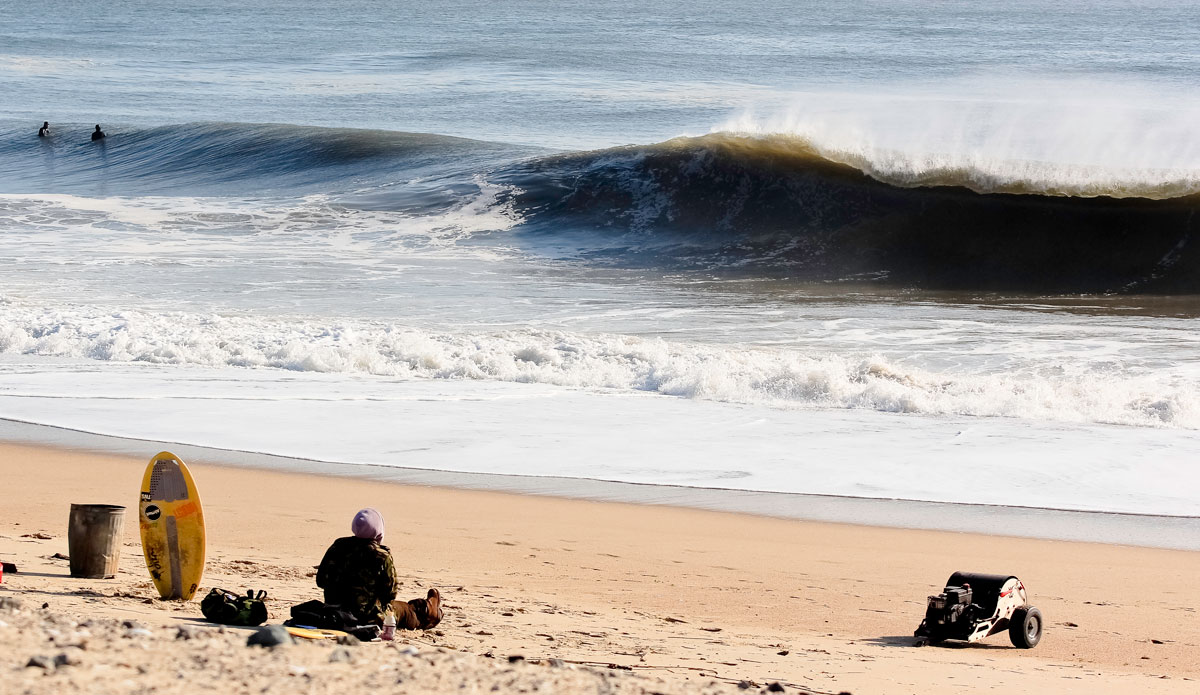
(996, 133)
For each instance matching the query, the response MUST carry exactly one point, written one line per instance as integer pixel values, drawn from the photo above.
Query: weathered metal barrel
(94, 539)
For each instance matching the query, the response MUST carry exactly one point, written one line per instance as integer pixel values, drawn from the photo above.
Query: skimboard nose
(167, 483)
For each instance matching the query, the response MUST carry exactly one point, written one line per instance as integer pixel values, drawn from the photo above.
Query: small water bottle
(389, 626)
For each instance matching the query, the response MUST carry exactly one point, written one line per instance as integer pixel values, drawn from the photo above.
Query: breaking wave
(783, 205)
(777, 377)
(778, 204)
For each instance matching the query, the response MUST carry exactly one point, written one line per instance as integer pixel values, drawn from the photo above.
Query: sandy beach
(685, 348)
(685, 599)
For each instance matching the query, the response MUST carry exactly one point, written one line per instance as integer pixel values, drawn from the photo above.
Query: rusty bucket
(94, 539)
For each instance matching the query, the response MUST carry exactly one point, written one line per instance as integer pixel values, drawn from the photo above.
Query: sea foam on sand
(548, 430)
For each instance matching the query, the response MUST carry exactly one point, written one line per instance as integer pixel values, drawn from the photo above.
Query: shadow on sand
(910, 641)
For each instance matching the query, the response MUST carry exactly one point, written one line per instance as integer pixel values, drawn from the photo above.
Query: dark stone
(186, 632)
(745, 685)
(775, 687)
(514, 658)
(348, 640)
(556, 663)
(42, 662)
(270, 636)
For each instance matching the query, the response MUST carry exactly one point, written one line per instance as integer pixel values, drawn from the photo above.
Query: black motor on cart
(974, 606)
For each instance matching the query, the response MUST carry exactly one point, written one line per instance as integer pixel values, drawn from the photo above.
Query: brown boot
(419, 613)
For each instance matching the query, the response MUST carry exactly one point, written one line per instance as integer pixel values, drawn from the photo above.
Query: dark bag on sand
(324, 616)
(228, 608)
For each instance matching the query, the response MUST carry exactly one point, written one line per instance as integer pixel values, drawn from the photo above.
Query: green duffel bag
(228, 608)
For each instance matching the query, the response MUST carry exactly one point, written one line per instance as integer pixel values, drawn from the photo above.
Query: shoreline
(681, 593)
(1109, 528)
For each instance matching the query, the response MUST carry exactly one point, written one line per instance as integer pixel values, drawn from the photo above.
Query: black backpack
(324, 616)
(227, 608)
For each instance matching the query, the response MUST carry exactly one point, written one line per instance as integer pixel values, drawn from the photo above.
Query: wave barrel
(94, 540)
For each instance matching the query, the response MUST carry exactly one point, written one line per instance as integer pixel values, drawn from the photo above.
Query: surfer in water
(98, 134)
(44, 131)
(357, 572)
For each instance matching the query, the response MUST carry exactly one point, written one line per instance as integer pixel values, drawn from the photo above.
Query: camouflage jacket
(357, 575)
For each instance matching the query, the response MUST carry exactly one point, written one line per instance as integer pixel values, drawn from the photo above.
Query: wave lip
(1018, 177)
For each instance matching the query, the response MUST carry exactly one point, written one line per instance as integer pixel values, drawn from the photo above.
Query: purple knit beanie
(368, 523)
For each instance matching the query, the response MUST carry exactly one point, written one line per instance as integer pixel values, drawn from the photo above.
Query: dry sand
(690, 600)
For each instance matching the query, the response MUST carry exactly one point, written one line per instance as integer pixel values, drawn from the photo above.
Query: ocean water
(915, 250)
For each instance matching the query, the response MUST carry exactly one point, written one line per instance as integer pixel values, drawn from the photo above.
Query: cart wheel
(1025, 627)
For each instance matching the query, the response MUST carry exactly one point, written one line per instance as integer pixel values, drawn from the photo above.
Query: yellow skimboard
(314, 633)
(172, 524)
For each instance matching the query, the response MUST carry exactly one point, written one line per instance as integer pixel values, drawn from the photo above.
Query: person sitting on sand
(44, 131)
(98, 134)
(357, 572)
